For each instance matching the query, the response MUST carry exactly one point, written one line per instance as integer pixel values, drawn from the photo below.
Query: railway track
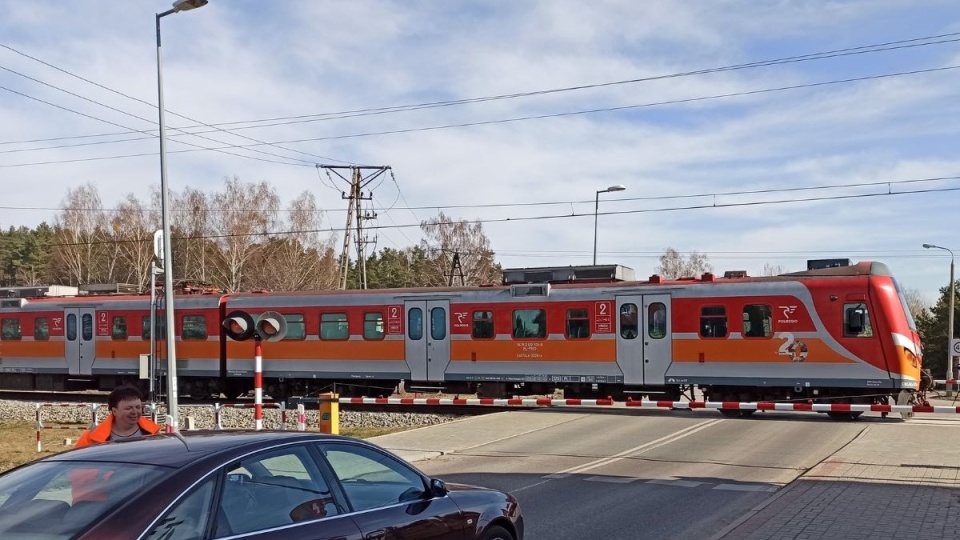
(101, 397)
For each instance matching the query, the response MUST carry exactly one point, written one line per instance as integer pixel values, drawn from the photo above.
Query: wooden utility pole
(357, 182)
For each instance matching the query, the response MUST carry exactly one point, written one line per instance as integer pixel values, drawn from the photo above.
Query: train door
(643, 338)
(428, 338)
(80, 340)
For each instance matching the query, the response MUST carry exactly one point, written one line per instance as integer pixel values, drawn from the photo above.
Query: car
(244, 484)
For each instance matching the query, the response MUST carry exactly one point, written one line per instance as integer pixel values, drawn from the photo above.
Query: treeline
(239, 238)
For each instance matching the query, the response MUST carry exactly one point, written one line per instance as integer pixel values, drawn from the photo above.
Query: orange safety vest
(101, 433)
(86, 484)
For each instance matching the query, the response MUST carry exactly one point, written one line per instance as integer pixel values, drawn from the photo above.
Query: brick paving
(897, 480)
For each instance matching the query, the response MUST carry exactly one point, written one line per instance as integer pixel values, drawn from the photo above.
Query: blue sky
(241, 60)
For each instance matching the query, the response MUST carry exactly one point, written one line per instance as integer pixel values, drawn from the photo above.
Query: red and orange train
(841, 334)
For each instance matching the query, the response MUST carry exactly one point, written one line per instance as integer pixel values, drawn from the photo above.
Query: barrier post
(330, 413)
(93, 415)
(283, 416)
(217, 419)
(301, 418)
(39, 428)
(258, 386)
(170, 426)
(154, 412)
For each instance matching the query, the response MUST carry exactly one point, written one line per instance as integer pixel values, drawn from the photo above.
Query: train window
(415, 323)
(86, 326)
(629, 326)
(438, 323)
(296, 327)
(373, 325)
(713, 321)
(41, 329)
(578, 324)
(334, 326)
(757, 320)
(856, 320)
(194, 327)
(119, 328)
(657, 320)
(71, 327)
(483, 325)
(161, 328)
(529, 323)
(11, 329)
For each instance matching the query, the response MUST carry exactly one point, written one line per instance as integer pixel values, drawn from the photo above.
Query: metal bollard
(39, 428)
(283, 416)
(217, 419)
(93, 415)
(301, 418)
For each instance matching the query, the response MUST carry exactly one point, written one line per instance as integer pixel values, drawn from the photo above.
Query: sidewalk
(893, 481)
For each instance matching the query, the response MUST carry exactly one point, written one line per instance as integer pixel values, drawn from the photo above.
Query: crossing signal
(268, 326)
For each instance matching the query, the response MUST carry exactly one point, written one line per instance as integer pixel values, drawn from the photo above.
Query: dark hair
(123, 393)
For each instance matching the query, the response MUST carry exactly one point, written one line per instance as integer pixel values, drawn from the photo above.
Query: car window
(372, 479)
(187, 520)
(59, 500)
(273, 489)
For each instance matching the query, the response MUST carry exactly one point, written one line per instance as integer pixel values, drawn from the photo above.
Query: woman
(125, 420)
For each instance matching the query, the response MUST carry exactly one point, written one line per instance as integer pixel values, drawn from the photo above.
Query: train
(838, 333)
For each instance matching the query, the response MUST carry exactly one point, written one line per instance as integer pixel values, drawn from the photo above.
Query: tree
(133, 241)
(396, 268)
(673, 265)
(446, 237)
(80, 234)
(300, 258)
(915, 303)
(245, 214)
(773, 270)
(932, 326)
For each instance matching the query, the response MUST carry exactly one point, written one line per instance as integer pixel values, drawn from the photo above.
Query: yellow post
(330, 413)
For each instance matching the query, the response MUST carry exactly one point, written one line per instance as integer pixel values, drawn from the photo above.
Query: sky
(757, 133)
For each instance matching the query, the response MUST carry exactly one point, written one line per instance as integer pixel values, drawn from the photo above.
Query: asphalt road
(631, 475)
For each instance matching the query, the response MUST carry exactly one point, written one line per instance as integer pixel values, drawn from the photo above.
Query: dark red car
(251, 485)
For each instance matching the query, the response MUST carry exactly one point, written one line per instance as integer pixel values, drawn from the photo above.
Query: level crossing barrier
(39, 418)
(654, 404)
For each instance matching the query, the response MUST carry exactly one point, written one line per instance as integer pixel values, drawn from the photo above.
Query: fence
(39, 418)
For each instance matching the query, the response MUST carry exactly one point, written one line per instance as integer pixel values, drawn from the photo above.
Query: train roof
(866, 268)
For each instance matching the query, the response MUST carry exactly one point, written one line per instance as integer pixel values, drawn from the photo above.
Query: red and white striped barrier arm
(799, 406)
(490, 402)
(39, 418)
(947, 381)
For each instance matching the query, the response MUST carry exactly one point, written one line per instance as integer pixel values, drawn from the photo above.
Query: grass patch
(18, 441)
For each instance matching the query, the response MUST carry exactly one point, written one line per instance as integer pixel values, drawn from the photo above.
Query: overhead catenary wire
(511, 120)
(287, 120)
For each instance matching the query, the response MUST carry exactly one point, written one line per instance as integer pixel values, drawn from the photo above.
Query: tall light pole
(596, 212)
(178, 6)
(949, 320)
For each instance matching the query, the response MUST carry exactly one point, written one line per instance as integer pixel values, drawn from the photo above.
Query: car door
(273, 494)
(389, 499)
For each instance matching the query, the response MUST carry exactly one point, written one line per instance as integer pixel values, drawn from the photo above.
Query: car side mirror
(438, 488)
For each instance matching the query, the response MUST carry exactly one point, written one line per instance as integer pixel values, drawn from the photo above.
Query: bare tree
(301, 258)
(673, 265)
(191, 219)
(79, 237)
(445, 239)
(133, 241)
(773, 270)
(917, 305)
(242, 215)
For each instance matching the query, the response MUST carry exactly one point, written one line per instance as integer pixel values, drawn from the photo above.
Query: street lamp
(949, 320)
(178, 6)
(596, 208)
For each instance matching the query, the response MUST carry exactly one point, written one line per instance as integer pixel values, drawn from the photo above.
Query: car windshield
(59, 499)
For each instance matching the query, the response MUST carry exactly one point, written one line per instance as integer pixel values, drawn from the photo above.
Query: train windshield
(906, 308)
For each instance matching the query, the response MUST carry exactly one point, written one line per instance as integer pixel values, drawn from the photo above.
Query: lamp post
(949, 320)
(178, 6)
(596, 212)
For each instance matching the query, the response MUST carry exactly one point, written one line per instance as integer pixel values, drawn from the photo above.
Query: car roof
(177, 450)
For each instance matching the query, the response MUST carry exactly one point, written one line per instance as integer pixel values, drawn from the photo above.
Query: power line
(547, 217)
(287, 120)
(151, 105)
(581, 201)
(519, 118)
